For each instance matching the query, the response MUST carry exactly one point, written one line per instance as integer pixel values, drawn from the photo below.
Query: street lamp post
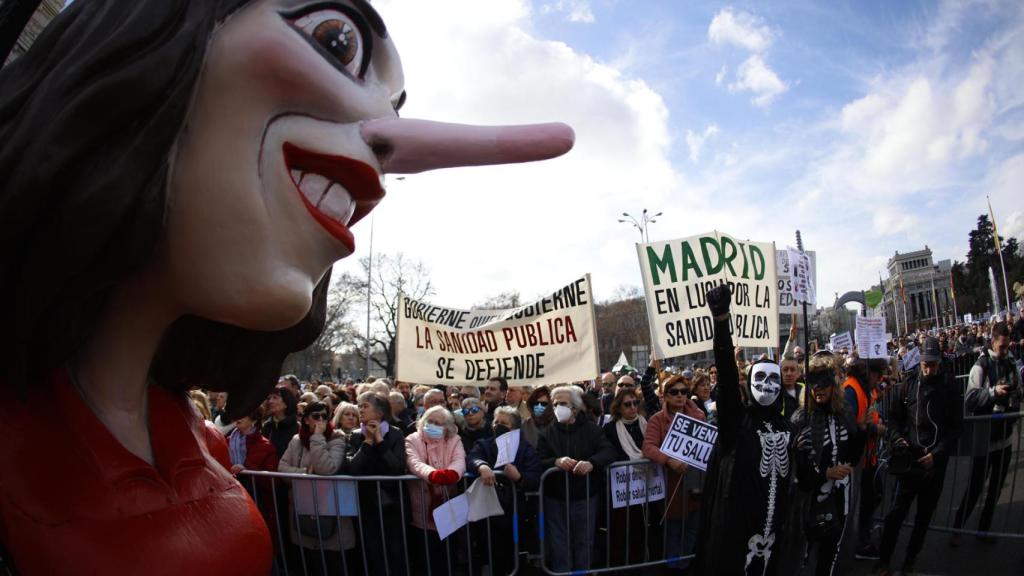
(640, 223)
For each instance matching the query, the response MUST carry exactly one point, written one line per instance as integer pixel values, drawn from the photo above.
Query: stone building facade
(929, 300)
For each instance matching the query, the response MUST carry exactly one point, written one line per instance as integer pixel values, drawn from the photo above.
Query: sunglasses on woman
(319, 416)
(474, 410)
(541, 403)
(677, 392)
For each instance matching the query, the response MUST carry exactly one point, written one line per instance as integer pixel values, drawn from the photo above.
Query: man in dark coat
(925, 421)
(748, 477)
(578, 446)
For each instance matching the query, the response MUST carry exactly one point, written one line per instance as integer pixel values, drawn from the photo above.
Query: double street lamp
(640, 223)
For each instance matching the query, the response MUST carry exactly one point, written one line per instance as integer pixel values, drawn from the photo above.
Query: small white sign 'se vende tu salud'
(689, 440)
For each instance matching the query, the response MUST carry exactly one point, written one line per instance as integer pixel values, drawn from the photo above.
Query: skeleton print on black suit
(747, 485)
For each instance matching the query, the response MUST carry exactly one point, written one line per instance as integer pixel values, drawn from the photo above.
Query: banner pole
(807, 332)
(593, 327)
(1002, 265)
(952, 292)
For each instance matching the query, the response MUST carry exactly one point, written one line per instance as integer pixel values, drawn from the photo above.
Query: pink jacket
(423, 456)
(657, 429)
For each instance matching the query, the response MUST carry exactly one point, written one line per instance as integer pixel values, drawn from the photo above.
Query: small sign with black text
(689, 440)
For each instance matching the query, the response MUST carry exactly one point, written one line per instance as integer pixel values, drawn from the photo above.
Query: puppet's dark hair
(88, 118)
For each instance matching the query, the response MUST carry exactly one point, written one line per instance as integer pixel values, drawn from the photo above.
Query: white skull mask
(765, 383)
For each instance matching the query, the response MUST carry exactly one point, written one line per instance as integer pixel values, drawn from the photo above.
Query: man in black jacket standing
(994, 388)
(925, 420)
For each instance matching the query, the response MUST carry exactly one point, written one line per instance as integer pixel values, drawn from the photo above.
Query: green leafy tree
(970, 278)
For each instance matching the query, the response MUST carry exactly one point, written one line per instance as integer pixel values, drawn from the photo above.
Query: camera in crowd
(1010, 402)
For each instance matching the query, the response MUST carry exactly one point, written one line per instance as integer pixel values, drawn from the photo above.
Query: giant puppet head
(215, 155)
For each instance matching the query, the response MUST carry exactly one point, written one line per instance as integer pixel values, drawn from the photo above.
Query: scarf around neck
(626, 440)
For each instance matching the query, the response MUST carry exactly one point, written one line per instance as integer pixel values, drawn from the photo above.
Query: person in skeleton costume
(177, 178)
(748, 477)
(826, 447)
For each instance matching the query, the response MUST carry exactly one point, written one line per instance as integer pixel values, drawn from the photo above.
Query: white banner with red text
(550, 341)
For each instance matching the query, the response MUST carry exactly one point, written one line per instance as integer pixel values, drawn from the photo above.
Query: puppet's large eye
(339, 36)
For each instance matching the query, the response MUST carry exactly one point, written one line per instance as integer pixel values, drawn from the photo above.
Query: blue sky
(871, 126)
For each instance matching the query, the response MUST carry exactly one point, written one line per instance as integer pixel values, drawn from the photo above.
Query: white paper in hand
(451, 516)
(483, 501)
(508, 445)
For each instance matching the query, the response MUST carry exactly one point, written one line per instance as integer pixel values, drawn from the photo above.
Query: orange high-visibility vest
(865, 411)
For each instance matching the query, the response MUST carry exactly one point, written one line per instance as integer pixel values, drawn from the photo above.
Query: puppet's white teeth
(313, 187)
(296, 176)
(338, 204)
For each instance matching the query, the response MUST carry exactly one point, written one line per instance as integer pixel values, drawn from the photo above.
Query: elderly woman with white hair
(435, 454)
(575, 444)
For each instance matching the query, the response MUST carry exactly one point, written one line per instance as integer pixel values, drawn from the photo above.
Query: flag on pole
(952, 289)
(1002, 265)
(995, 231)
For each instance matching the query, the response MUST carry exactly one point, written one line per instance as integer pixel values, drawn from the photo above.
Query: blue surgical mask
(458, 412)
(433, 431)
(419, 411)
(539, 410)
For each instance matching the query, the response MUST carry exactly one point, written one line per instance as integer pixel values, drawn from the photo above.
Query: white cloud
(529, 227)
(1003, 189)
(721, 75)
(1013, 226)
(751, 33)
(755, 76)
(696, 141)
(574, 10)
(912, 130)
(742, 29)
(886, 222)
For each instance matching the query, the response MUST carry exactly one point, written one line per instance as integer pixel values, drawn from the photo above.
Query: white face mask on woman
(563, 413)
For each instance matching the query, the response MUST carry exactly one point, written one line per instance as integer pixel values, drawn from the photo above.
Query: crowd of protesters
(849, 417)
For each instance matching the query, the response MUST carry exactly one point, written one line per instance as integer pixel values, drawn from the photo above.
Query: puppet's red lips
(338, 191)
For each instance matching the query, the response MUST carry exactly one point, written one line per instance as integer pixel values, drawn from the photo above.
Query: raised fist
(718, 300)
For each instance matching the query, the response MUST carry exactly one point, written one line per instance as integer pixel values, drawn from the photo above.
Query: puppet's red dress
(73, 500)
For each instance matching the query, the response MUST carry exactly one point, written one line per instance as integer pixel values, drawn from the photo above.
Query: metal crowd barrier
(971, 469)
(473, 545)
(640, 498)
(275, 491)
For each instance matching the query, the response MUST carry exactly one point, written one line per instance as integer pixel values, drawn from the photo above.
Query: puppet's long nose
(408, 146)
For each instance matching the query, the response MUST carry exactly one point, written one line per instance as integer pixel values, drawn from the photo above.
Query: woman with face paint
(746, 486)
(827, 447)
(434, 453)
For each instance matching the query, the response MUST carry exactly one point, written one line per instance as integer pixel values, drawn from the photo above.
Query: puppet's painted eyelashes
(337, 34)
